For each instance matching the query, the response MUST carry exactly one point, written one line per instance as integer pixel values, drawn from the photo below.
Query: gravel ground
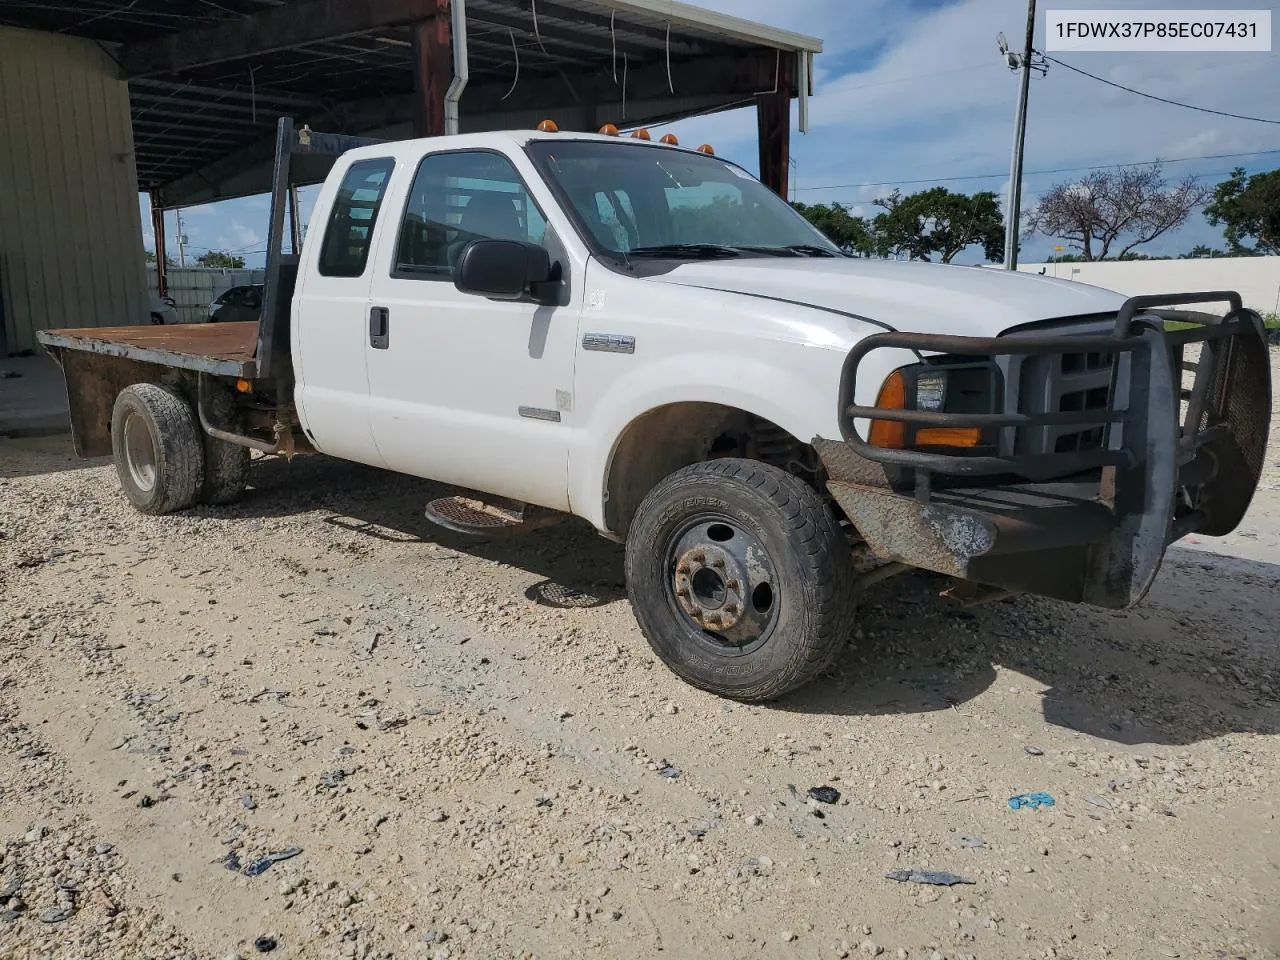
(463, 750)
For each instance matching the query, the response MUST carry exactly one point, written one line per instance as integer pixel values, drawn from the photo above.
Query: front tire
(741, 579)
(157, 447)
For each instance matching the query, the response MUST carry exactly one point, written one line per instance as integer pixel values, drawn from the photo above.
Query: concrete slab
(33, 398)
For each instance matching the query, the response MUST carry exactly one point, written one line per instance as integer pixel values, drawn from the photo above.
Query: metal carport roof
(209, 78)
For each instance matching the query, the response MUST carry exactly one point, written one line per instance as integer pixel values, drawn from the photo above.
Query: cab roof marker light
(548, 126)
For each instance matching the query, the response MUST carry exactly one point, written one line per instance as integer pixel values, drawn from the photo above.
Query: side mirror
(501, 269)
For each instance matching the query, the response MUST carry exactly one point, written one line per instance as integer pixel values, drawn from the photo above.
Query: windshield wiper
(796, 250)
(691, 251)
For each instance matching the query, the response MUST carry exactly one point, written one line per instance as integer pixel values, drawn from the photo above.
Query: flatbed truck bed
(222, 349)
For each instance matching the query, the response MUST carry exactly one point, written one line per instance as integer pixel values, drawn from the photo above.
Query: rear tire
(157, 319)
(741, 579)
(226, 465)
(156, 443)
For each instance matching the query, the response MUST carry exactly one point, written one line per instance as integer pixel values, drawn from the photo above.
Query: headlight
(931, 391)
(957, 388)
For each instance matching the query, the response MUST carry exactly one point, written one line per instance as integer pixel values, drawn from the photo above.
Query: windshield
(632, 200)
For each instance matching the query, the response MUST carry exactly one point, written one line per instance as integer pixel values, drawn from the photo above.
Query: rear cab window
(349, 232)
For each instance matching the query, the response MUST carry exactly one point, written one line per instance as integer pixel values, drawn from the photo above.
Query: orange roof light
(609, 130)
(707, 149)
(670, 140)
(548, 126)
(641, 134)
(888, 434)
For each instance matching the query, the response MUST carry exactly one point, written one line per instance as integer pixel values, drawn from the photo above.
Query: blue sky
(915, 90)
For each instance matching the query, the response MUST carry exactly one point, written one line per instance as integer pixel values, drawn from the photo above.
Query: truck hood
(911, 297)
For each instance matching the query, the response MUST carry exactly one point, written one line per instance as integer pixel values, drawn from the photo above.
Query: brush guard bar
(1084, 525)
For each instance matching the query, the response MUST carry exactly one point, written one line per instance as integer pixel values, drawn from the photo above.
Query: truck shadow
(1196, 661)
(578, 568)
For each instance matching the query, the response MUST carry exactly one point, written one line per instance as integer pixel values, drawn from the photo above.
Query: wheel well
(660, 442)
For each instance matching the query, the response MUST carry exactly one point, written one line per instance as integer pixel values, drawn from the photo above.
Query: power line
(1033, 173)
(1152, 96)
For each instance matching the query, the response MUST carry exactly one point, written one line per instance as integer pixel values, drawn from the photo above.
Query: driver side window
(457, 198)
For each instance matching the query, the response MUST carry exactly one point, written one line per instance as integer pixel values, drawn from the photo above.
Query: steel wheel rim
(140, 453)
(722, 585)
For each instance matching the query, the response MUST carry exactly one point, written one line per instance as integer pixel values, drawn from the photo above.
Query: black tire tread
(816, 539)
(226, 465)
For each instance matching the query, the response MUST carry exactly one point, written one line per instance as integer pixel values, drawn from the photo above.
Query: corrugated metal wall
(70, 229)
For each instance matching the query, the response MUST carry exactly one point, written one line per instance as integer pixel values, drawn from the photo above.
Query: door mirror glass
(502, 269)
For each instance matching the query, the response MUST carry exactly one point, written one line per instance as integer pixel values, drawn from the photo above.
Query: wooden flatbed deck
(224, 349)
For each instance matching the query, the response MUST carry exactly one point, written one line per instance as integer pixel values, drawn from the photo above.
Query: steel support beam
(157, 228)
(432, 71)
(278, 28)
(773, 116)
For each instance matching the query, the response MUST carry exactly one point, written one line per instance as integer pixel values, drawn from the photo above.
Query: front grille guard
(1208, 415)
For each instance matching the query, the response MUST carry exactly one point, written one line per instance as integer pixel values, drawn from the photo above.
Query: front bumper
(1178, 454)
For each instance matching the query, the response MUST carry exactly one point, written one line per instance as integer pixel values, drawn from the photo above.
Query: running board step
(467, 515)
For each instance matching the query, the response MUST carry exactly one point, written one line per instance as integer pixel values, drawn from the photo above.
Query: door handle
(380, 328)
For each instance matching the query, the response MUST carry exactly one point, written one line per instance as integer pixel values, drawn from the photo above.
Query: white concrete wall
(70, 231)
(1256, 278)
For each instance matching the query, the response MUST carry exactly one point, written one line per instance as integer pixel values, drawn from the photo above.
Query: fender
(795, 389)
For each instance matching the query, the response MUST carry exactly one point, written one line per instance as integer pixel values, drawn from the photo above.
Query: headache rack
(1134, 446)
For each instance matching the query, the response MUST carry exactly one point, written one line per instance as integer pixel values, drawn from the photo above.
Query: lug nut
(683, 569)
(734, 584)
(698, 557)
(733, 609)
(718, 563)
(682, 592)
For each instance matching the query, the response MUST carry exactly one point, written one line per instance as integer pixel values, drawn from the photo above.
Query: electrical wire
(1152, 96)
(1032, 173)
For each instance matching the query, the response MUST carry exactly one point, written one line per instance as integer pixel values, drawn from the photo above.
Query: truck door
(331, 316)
(463, 389)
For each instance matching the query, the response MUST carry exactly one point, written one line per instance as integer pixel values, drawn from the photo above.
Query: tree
(1126, 207)
(218, 258)
(1248, 207)
(1201, 252)
(149, 256)
(851, 234)
(940, 222)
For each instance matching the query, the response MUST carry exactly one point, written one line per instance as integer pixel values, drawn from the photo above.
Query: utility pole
(1025, 63)
(182, 241)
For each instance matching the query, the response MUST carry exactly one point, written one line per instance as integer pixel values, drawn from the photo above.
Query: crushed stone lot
(311, 725)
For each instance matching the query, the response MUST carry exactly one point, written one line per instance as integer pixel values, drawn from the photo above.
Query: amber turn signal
(244, 386)
(889, 434)
(949, 437)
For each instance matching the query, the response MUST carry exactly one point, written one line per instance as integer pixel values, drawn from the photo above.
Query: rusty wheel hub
(709, 587)
(724, 582)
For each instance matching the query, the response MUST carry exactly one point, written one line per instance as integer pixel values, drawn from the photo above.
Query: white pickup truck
(644, 336)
